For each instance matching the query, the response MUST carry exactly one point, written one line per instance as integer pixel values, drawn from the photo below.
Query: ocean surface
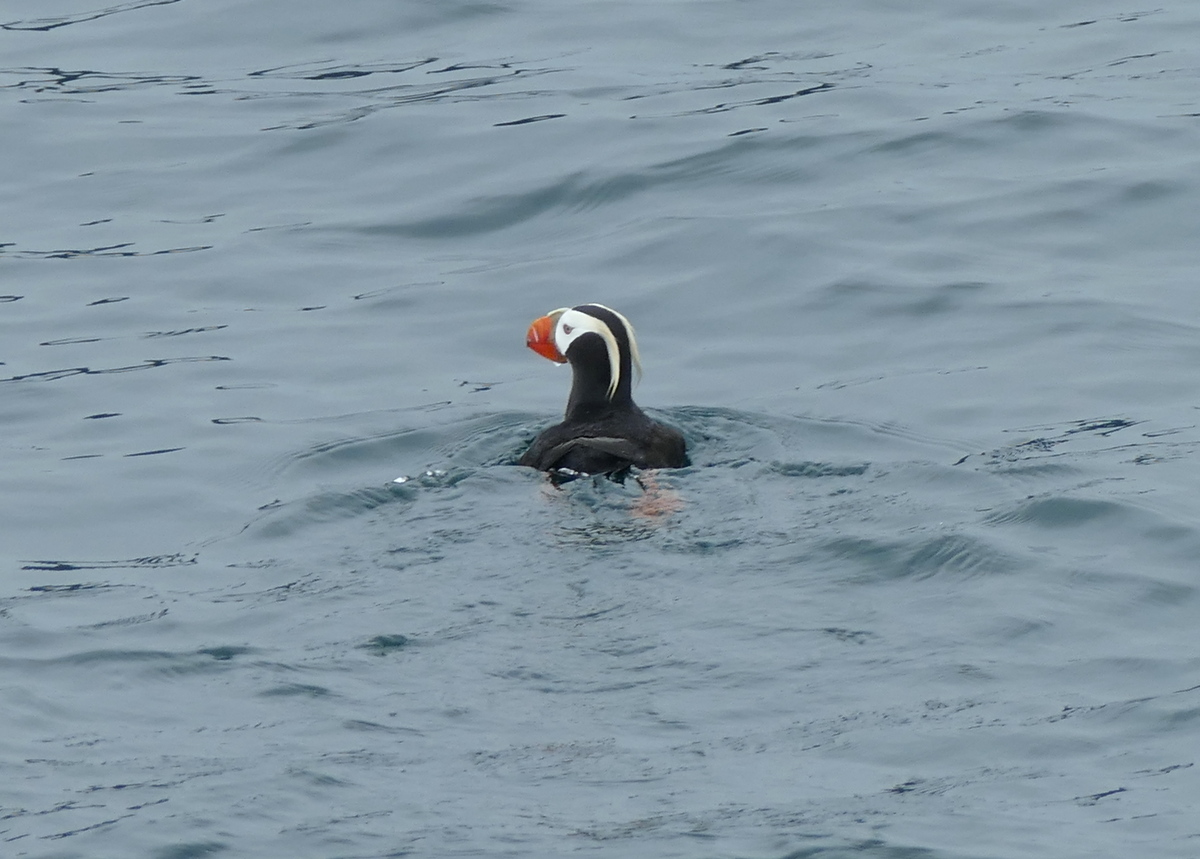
(919, 282)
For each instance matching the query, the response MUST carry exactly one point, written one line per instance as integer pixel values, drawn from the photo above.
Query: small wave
(46, 24)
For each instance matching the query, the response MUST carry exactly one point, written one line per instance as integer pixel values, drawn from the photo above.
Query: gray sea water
(917, 281)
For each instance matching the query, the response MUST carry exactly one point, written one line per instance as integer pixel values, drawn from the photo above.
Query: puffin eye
(567, 329)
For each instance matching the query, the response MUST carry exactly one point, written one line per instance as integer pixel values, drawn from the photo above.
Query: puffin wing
(596, 455)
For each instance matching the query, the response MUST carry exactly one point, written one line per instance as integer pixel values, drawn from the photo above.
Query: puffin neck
(591, 378)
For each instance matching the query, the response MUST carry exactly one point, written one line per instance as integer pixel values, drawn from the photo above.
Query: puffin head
(578, 334)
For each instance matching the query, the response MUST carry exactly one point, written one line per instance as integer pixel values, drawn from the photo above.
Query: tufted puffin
(603, 431)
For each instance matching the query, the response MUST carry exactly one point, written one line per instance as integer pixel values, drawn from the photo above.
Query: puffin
(603, 430)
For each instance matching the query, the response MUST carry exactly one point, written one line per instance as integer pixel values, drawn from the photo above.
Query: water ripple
(55, 375)
(47, 24)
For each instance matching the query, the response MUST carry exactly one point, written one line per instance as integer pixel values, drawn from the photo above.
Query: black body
(599, 435)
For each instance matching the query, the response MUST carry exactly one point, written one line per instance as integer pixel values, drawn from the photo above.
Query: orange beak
(540, 338)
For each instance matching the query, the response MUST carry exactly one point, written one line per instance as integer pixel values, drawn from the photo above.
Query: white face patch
(574, 323)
